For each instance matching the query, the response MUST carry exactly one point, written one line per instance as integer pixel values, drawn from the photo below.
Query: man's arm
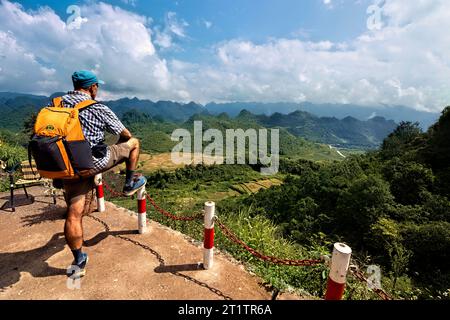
(113, 125)
(124, 136)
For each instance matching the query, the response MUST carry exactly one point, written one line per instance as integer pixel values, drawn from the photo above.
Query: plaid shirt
(94, 121)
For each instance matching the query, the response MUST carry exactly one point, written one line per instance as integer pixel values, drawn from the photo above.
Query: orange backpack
(58, 145)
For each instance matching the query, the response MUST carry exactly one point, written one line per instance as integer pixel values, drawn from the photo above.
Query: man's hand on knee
(125, 136)
(133, 143)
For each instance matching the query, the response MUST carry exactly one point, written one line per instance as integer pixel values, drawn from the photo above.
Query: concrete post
(100, 193)
(142, 210)
(340, 262)
(208, 243)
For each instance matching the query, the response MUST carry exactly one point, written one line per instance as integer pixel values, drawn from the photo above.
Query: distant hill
(290, 145)
(11, 95)
(349, 132)
(168, 110)
(340, 111)
(16, 107)
(156, 135)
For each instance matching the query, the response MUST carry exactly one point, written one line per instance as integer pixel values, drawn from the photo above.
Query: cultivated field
(152, 162)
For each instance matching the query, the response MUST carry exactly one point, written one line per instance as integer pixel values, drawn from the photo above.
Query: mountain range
(347, 126)
(340, 111)
(347, 133)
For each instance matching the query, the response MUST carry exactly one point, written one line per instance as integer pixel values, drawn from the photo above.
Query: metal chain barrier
(170, 215)
(227, 232)
(112, 191)
(354, 270)
(157, 208)
(230, 235)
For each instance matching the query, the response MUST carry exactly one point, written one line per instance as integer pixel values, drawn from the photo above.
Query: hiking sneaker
(136, 183)
(78, 270)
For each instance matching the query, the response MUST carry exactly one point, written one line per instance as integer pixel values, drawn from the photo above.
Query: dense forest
(392, 206)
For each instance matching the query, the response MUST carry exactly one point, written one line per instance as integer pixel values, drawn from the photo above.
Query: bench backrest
(28, 172)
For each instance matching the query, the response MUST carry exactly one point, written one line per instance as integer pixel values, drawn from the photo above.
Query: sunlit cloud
(403, 63)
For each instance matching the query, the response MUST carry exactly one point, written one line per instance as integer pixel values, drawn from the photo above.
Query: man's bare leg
(132, 183)
(132, 161)
(73, 228)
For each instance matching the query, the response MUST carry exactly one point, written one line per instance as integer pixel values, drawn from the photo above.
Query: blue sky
(366, 52)
(213, 21)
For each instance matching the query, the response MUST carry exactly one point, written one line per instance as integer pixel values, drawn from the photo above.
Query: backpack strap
(84, 104)
(57, 102)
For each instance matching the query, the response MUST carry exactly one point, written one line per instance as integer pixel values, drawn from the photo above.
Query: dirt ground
(162, 264)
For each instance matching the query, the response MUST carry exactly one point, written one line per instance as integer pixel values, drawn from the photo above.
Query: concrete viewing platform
(160, 265)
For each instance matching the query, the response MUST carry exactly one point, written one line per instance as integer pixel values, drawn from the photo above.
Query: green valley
(390, 204)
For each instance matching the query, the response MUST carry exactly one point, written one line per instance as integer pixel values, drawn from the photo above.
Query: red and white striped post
(142, 210)
(340, 262)
(100, 193)
(208, 243)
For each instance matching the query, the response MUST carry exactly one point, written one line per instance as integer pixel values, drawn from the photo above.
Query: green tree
(437, 207)
(10, 156)
(28, 124)
(409, 181)
(367, 200)
(430, 244)
(400, 258)
(386, 237)
(398, 141)
(302, 224)
(436, 152)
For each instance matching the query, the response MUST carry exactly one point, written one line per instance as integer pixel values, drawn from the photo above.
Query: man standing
(94, 121)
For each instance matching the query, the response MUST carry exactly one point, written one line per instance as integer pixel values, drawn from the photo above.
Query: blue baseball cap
(84, 79)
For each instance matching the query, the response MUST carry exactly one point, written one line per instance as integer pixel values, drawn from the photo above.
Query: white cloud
(39, 52)
(19, 68)
(327, 2)
(406, 62)
(208, 24)
(173, 29)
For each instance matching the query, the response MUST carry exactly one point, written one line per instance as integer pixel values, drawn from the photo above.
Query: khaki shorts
(118, 154)
(76, 189)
